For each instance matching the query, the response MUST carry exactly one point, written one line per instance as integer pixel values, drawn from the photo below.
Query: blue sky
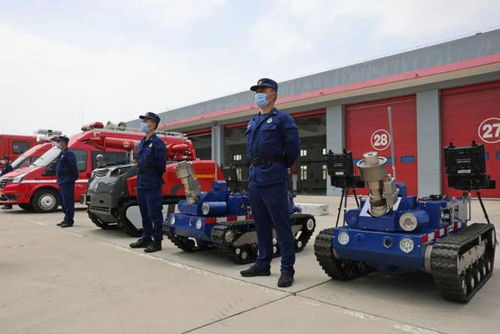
(65, 63)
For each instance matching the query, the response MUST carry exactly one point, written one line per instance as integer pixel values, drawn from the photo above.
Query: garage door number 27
(489, 130)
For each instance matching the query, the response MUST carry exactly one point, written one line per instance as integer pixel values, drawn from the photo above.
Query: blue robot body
(222, 219)
(393, 232)
(386, 243)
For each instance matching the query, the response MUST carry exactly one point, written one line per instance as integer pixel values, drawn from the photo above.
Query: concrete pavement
(87, 280)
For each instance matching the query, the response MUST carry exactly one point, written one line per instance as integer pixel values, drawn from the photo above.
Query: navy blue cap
(63, 138)
(152, 116)
(265, 82)
(5, 157)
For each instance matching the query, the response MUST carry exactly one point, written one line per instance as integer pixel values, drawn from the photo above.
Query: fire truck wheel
(45, 200)
(26, 207)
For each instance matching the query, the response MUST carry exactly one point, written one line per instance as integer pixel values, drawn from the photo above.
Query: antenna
(391, 133)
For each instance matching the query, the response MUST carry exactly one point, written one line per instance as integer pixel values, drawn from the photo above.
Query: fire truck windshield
(21, 162)
(48, 157)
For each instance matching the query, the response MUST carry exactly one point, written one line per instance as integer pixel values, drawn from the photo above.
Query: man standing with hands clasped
(272, 147)
(151, 161)
(67, 174)
(7, 168)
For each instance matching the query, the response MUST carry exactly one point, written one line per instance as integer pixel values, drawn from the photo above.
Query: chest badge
(150, 145)
(270, 120)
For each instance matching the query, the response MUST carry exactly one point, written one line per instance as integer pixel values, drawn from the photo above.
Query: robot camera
(341, 171)
(466, 167)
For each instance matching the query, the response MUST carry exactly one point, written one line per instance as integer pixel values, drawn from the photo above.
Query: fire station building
(439, 94)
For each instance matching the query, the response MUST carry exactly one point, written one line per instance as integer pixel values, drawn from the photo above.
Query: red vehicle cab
(14, 145)
(31, 155)
(34, 188)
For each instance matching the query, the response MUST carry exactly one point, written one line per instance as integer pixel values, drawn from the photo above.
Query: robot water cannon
(184, 171)
(382, 187)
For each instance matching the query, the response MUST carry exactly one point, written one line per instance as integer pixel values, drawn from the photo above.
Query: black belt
(66, 174)
(147, 170)
(261, 161)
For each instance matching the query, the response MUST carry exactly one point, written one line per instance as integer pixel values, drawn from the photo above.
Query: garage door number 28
(380, 139)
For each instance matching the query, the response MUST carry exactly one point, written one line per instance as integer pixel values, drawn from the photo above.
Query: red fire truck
(45, 139)
(34, 187)
(14, 145)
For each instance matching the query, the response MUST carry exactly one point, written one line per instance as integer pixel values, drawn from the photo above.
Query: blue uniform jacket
(274, 134)
(6, 168)
(66, 168)
(152, 157)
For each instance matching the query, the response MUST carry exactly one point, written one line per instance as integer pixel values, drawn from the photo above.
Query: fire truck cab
(31, 155)
(14, 145)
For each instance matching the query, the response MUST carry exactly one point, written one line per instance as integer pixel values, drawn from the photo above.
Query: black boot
(255, 271)
(141, 243)
(285, 281)
(155, 246)
(59, 224)
(64, 225)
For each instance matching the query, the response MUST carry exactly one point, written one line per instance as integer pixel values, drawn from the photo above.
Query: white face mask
(59, 146)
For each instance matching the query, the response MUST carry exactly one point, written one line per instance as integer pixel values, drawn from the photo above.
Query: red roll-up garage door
(473, 113)
(367, 129)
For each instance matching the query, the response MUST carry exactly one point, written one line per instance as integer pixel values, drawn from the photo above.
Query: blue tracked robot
(393, 232)
(222, 219)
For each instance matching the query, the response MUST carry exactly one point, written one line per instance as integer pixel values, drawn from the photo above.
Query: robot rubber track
(463, 262)
(184, 243)
(245, 252)
(337, 269)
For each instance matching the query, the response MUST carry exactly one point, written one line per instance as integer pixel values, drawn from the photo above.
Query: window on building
(303, 173)
(325, 172)
(235, 149)
(312, 132)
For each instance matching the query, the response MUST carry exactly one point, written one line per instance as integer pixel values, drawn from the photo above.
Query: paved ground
(86, 280)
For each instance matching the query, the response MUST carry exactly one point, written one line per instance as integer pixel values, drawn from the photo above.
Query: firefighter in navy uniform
(7, 168)
(67, 174)
(272, 147)
(151, 161)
